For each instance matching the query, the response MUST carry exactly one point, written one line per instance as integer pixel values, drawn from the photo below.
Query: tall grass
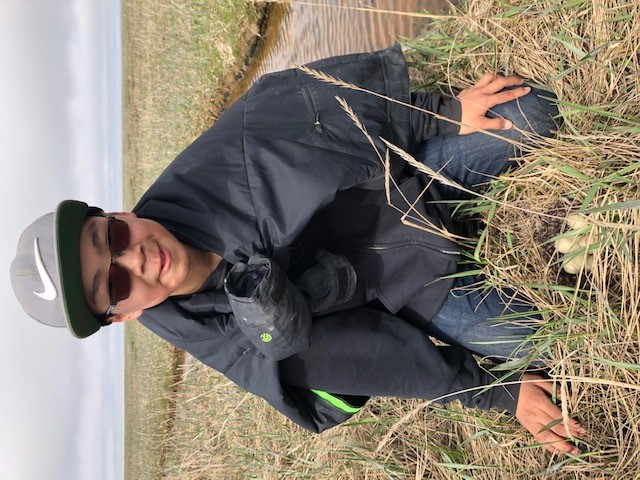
(587, 53)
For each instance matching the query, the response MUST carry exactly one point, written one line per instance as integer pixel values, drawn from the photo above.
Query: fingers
(554, 436)
(493, 83)
(508, 95)
(491, 101)
(543, 418)
(494, 123)
(556, 424)
(499, 82)
(554, 443)
(486, 79)
(554, 413)
(484, 95)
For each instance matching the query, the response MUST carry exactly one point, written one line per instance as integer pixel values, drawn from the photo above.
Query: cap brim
(69, 217)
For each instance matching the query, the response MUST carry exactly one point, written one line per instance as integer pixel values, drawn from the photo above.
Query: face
(157, 263)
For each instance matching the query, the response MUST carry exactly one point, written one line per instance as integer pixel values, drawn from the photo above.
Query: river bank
(180, 63)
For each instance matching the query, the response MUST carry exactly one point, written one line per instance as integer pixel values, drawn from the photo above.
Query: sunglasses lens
(118, 235)
(119, 283)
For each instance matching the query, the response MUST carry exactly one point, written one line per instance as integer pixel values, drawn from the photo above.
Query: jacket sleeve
(368, 352)
(425, 126)
(274, 313)
(217, 342)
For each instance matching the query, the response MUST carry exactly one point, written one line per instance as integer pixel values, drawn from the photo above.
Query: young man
(267, 249)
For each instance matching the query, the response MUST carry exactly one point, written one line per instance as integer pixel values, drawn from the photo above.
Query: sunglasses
(118, 238)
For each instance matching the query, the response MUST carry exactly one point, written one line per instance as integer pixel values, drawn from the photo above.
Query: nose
(132, 258)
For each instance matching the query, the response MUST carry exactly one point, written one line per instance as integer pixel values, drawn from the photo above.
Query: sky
(61, 407)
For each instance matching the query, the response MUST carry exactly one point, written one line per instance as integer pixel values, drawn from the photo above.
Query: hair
(104, 322)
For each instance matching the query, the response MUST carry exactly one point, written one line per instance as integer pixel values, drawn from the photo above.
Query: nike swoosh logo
(50, 292)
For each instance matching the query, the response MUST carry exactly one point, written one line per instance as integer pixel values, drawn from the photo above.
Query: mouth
(165, 260)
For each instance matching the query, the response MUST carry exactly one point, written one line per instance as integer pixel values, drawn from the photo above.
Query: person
(268, 251)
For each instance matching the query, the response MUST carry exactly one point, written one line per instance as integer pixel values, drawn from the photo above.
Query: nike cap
(45, 274)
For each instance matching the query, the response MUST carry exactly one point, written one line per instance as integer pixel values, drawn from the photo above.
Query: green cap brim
(69, 218)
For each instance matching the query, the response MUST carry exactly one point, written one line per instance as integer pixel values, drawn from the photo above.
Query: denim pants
(469, 318)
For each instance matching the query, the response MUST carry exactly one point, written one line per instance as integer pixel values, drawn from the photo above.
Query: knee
(536, 113)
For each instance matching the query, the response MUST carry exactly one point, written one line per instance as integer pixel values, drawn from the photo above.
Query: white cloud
(85, 105)
(55, 131)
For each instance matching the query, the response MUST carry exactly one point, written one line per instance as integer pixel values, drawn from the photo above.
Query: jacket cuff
(504, 396)
(269, 310)
(452, 109)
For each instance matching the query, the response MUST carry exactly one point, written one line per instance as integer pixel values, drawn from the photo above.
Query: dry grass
(147, 381)
(587, 53)
(181, 61)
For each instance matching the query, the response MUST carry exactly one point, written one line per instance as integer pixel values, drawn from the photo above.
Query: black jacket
(278, 175)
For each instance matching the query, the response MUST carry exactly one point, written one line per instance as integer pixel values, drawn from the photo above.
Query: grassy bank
(587, 53)
(180, 61)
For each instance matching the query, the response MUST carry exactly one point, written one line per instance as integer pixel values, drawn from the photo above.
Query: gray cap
(45, 273)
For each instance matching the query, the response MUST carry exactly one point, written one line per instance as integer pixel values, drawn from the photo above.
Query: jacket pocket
(326, 409)
(314, 112)
(403, 270)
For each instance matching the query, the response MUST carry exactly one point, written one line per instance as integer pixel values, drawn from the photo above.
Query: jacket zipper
(311, 106)
(440, 251)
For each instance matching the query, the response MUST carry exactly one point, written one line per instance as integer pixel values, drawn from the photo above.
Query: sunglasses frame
(98, 212)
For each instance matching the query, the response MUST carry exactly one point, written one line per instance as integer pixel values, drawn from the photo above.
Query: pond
(304, 31)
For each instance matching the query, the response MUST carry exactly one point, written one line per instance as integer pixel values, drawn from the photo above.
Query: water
(308, 30)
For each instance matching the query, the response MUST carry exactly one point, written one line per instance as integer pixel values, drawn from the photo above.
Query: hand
(329, 284)
(535, 411)
(484, 95)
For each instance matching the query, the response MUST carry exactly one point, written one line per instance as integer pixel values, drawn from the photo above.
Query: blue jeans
(468, 317)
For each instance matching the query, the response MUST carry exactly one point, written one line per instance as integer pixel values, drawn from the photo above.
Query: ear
(124, 317)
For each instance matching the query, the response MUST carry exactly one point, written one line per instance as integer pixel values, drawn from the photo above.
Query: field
(184, 421)
(181, 62)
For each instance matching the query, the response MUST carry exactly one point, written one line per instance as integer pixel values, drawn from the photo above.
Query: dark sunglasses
(118, 238)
